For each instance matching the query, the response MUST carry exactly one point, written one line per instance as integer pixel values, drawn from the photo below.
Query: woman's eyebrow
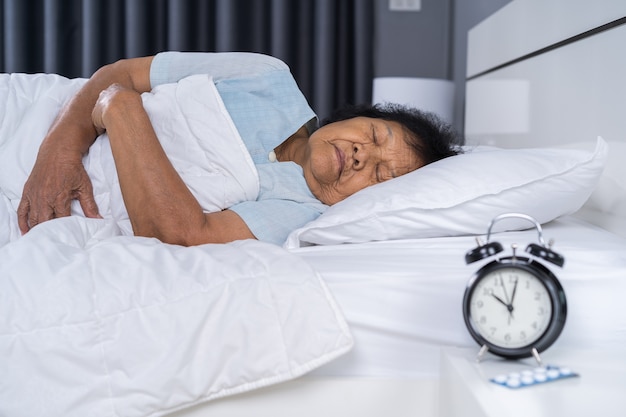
(389, 130)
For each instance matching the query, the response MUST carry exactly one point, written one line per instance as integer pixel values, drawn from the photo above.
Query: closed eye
(374, 138)
(377, 172)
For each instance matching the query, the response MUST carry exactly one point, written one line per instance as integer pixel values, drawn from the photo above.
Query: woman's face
(347, 156)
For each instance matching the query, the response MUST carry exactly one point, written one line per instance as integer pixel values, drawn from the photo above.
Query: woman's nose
(361, 154)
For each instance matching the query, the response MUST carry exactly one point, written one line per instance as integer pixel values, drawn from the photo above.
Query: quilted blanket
(188, 117)
(94, 322)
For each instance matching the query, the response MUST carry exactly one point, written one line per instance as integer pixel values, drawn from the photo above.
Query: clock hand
(508, 304)
(500, 300)
(514, 290)
(506, 296)
(509, 307)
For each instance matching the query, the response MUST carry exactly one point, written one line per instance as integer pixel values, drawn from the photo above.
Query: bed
(350, 317)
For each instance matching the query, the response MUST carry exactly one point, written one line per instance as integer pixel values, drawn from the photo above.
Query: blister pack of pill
(530, 377)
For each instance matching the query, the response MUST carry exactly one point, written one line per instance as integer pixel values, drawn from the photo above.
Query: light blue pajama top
(267, 107)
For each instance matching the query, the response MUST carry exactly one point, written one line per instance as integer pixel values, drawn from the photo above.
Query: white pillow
(460, 195)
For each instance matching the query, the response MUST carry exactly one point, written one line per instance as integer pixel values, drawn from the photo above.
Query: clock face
(510, 307)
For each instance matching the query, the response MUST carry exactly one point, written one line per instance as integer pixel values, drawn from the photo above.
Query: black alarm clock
(514, 306)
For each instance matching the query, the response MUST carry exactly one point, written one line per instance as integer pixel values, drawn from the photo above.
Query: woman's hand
(106, 100)
(57, 178)
(157, 200)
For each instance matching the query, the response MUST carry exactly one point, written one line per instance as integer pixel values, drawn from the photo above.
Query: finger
(62, 207)
(87, 201)
(38, 215)
(89, 206)
(22, 215)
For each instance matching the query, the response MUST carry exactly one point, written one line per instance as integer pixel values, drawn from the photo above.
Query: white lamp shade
(427, 94)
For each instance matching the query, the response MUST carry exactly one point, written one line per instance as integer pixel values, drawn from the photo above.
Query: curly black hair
(430, 137)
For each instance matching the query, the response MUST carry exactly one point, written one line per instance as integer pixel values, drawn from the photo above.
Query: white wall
(431, 43)
(413, 44)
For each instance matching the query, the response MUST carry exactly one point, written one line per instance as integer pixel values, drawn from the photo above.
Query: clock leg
(536, 356)
(481, 353)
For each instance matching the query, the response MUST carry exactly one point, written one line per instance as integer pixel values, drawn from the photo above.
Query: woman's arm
(58, 176)
(158, 202)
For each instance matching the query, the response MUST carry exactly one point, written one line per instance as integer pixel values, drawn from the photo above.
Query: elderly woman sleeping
(247, 112)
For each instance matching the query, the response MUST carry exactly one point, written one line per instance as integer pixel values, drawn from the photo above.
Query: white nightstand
(599, 391)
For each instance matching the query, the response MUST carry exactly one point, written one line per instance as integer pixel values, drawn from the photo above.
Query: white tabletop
(599, 390)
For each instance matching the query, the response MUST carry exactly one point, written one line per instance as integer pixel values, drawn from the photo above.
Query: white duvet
(97, 323)
(189, 118)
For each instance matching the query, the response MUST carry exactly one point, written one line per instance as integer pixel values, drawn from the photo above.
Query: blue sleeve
(266, 106)
(273, 220)
(259, 92)
(284, 204)
(171, 67)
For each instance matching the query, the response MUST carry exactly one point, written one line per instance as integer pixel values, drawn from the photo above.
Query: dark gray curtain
(327, 43)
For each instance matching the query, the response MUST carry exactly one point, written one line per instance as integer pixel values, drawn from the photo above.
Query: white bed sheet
(402, 299)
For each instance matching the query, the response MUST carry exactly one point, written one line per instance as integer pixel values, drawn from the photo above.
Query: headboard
(553, 74)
